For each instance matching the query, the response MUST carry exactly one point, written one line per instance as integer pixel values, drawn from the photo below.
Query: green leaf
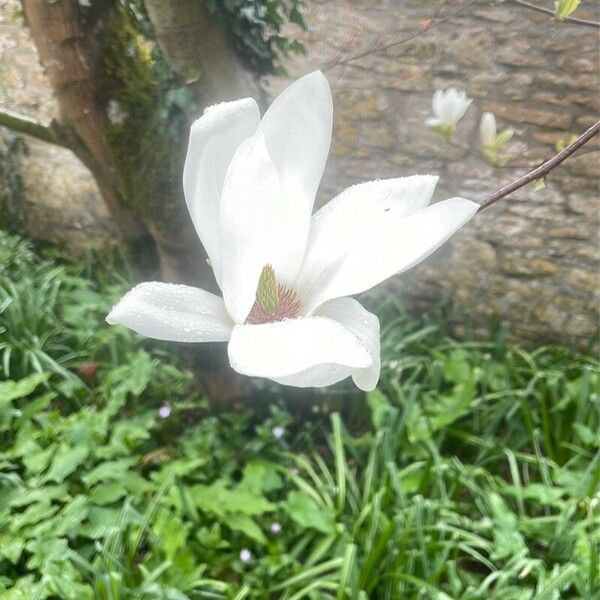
(66, 460)
(112, 470)
(380, 407)
(11, 548)
(107, 493)
(307, 513)
(244, 524)
(565, 8)
(504, 137)
(260, 476)
(13, 390)
(218, 499)
(47, 551)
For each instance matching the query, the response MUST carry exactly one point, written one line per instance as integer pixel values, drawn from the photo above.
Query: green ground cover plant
(472, 472)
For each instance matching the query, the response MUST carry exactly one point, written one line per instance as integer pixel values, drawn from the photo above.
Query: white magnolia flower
(285, 275)
(449, 106)
(487, 130)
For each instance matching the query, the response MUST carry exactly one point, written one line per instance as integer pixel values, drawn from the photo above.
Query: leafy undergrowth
(477, 476)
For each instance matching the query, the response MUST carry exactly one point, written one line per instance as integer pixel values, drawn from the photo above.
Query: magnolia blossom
(487, 130)
(449, 107)
(286, 275)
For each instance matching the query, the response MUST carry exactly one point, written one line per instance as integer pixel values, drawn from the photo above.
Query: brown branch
(27, 126)
(543, 169)
(380, 48)
(549, 11)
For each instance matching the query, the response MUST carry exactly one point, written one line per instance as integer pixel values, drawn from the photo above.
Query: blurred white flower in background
(164, 411)
(487, 129)
(449, 107)
(492, 141)
(286, 275)
(245, 555)
(275, 527)
(278, 432)
(115, 113)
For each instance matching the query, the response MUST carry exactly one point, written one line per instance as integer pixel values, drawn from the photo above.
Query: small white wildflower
(487, 130)
(116, 114)
(245, 555)
(86, 3)
(278, 432)
(164, 411)
(449, 107)
(275, 527)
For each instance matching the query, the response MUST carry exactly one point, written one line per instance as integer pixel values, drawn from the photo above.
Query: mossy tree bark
(112, 114)
(195, 46)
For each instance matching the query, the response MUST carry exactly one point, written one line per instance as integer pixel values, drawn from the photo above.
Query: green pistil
(267, 293)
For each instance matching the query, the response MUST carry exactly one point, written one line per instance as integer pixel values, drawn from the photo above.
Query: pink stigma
(289, 308)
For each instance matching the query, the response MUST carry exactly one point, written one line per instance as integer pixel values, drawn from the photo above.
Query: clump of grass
(474, 476)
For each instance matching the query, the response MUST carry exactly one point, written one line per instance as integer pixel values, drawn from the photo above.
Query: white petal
(341, 223)
(286, 348)
(258, 227)
(297, 130)
(177, 313)
(433, 122)
(214, 138)
(391, 244)
(487, 129)
(437, 102)
(365, 326)
(319, 376)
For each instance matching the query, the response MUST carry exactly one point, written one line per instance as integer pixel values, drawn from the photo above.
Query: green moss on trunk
(146, 129)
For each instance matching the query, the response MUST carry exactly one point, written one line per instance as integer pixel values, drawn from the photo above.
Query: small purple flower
(164, 411)
(278, 432)
(245, 555)
(275, 527)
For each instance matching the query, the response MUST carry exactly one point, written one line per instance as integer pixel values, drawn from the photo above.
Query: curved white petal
(437, 103)
(344, 221)
(365, 326)
(293, 347)
(258, 227)
(433, 122)
(390, 244)
(319, 376)
(297, 129)
(214, 138)
(176, 313)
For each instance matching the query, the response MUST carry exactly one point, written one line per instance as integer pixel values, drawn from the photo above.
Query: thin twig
(543, 169)
(549, 11)
(28, 126)
(382, 47)
(483, 159)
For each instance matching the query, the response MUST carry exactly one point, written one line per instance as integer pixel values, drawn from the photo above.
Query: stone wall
(62, 205)
(532, 258)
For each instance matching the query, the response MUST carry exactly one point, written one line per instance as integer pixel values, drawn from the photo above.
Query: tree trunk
(95, 60)
(68, 53)
(195, 46)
